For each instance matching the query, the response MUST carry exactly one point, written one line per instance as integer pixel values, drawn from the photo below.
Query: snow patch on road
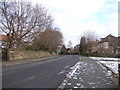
(73, 72)
(68, 83)
(66, 66)
(109, 73)
(78, 84)
(63, 71)
(75, 87)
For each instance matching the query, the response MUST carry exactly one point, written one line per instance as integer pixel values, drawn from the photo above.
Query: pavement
(88, 73)
(69, 71)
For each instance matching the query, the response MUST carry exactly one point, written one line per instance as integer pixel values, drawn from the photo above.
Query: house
(103, 47)
(93, 46)
(63, 50)
(108, 45)
(76, 49)
(3, 41)
(58, 50)
(112, 40)
(3, 47)
(118, 45)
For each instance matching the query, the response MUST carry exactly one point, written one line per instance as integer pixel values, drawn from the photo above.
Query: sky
(74, 17)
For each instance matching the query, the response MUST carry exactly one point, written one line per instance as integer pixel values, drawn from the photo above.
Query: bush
(105, 55)
(32, 48)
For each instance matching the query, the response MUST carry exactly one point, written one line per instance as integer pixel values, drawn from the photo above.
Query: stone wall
(26, 54)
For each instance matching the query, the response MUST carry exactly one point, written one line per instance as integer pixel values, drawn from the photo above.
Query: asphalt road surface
(51, 73)
(45, 74)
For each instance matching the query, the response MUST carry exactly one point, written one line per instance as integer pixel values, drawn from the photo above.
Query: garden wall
(27, 54)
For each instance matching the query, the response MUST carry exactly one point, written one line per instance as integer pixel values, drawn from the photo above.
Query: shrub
(32, 48)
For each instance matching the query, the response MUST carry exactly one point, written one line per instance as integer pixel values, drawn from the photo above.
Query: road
(51, 73)
(39, 74)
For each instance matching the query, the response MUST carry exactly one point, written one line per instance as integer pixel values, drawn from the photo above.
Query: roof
(110, 35)
(3, 37)
(106, 39)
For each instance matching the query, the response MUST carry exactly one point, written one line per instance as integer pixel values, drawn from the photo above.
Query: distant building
(63, 50)
(108, 45)
(118, 45)
(3, 41)
(76, 49)
(93, 46)
(3, 47)
(58, 50)
(103, 47)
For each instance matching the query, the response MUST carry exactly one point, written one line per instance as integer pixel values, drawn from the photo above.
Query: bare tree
(21, 21)
(49, 39)
(90, 36)
(86, 41)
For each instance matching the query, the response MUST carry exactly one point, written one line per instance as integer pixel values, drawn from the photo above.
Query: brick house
(93, 46)
(108, 45)
(3, 47)
(3, 41)
(118, 45)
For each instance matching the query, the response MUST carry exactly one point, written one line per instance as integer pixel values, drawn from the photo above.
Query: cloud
(78, 9)
(74, 17)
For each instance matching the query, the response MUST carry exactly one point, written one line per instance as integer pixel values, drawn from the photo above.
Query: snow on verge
(102, 58)
(113, 65)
